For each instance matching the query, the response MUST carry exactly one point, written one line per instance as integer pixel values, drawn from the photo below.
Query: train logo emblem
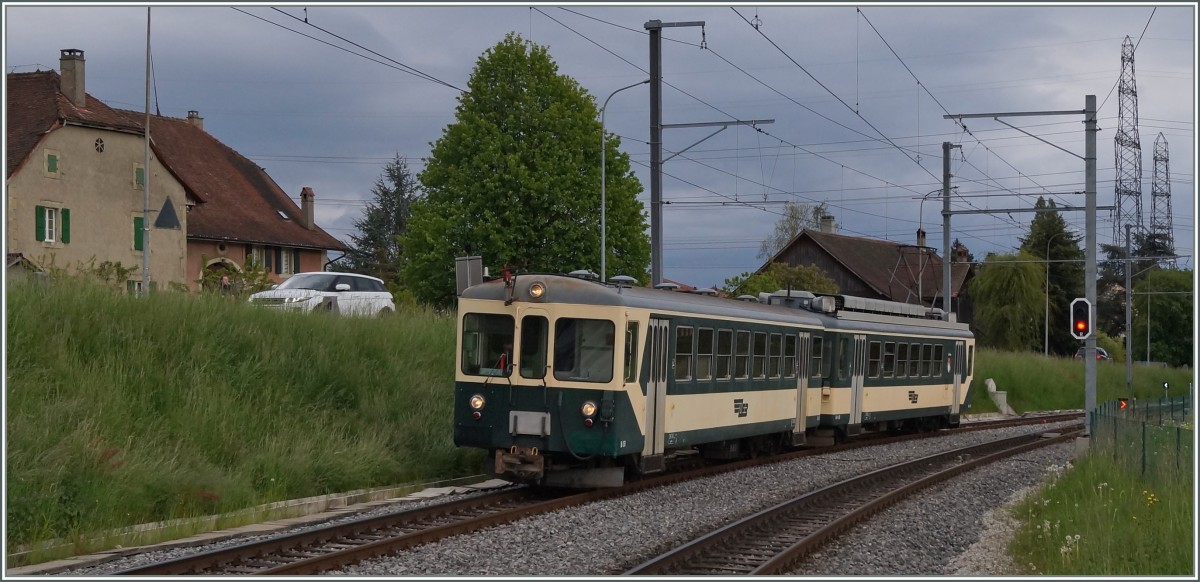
(741, 407)
(912, 396)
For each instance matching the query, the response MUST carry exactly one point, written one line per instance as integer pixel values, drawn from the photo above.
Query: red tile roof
(240, 202)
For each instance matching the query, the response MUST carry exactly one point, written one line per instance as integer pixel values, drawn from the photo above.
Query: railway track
(336, 546)
(772, 541)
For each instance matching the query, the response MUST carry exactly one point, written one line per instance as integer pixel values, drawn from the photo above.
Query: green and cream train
(567, 381)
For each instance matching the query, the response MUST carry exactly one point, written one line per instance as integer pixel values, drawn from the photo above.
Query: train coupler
(520, 462)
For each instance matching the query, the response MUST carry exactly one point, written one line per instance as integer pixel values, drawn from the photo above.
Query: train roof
(575, 290)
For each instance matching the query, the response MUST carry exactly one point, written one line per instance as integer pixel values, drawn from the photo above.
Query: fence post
(1143, 448)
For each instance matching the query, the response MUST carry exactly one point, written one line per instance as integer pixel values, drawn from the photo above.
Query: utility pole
(1128, 313)
(146, 175)
(946, 147)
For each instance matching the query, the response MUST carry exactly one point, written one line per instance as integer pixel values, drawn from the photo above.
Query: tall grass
(123, 410)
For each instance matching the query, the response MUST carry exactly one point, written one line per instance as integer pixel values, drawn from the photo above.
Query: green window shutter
(278, 260)
(267, 258)
(139, 177)
(65, 213)
(39, 213)
(138, 221)
(130, 286)
(295, 260)
(52, 163)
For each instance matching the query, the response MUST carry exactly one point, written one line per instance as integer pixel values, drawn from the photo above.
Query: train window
(901, 360)
(704, 354)
(927, 359)
(970, 353)
(873, 360)
(535, 331)
(889, 359)
(843, 358)
(817, 345)
(684, 345)
(914, 360)
(741, 362)
(760, 355)
(631, 352)
(775, 364)
(789, 356)
(487, 344)
(724, 353)
(936, 363)
(583, 350)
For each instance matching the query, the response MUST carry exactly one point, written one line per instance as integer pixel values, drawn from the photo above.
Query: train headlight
(476, 402)
(588, 408)
(537, 289)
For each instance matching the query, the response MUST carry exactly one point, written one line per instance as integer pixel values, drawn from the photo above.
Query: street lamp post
(603, 202)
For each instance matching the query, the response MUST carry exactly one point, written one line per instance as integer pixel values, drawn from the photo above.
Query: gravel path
(932, 534)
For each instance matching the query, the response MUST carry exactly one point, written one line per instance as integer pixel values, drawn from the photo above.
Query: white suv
(343, 293)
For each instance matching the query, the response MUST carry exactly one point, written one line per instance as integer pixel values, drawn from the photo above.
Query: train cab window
(818, 343)
(914, 360)
(684, 345)
(775, 364)
(760, 355)
(938, 366)
(535, 334)
(741, 361)
(901, 360)
(789, 356)
(704, 354)
(889, 359)
(583, 350)
(873, 360)
(724, 353)
(631, 352)
(927, 360)
(487, 341)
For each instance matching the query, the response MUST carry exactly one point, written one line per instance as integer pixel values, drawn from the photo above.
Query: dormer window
(282, 215)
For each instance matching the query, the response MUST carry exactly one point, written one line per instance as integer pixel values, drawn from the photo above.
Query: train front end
(539, 382)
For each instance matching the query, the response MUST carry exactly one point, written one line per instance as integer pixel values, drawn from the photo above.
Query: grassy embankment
(123, 411)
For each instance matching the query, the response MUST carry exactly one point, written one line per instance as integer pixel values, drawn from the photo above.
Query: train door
(656, 395)
(803, 353)
(858, 368)
(957, 369)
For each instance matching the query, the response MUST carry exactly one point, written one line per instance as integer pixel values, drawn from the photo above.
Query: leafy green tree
(1009, 302)
(780, 276)
(1166, 297)
(377, 250)
(1050, 240)
(516, 180)
(797, 216)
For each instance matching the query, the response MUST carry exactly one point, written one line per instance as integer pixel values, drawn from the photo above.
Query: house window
(139, 177)
(51, 159)
(52, 224)
(285, 262)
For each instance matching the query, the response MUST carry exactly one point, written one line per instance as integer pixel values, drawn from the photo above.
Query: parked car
(1100, 354)
(342, 293)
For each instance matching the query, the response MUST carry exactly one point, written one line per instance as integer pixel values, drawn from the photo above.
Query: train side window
(485, 337)
(843, 358)
(927, 360)
(789, 355)
(704, 354)
(741, 361)
(889, 359)
(901, 360)
(970, 358)
(760, 354)
(535, 333)
(914, 360)
(938, 367)
(775, 364)
(873, 360)
(684, 345)
(631, 352)
(724, 353)
(817, 351)
(583, 349)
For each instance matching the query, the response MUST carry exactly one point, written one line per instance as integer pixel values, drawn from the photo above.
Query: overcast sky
(857, 95)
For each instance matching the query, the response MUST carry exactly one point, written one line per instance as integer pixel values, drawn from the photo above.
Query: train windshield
(583, 350)
(487, 344)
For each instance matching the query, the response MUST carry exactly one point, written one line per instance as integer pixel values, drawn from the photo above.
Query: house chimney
(306, 207)
(195, 119)
(920, 237)
(827, 224)
(70, 65)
